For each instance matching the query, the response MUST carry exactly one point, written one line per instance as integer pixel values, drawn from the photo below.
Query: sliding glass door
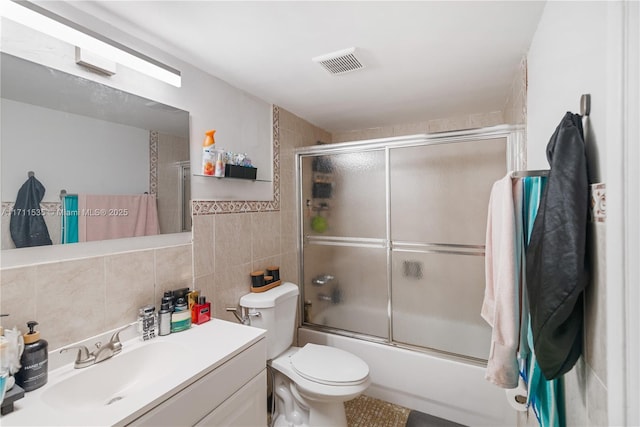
(392, 238)
(344, 241)
(439, 196)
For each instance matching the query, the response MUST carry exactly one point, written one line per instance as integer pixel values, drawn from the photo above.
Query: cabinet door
(246, 407)
(197, 400)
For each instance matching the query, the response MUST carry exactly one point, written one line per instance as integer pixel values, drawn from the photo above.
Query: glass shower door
(344, 248)
(439, 195)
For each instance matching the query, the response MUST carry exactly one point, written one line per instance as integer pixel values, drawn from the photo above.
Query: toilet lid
(329, 365)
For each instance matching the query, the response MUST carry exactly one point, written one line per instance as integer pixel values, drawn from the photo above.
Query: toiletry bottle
(219, 168)
(181, 317)
(201, 311)
(35, 360)
(164, 320)
(208, 153)
(168, 298)
(147, 322)
(180, 293)
(192, 299)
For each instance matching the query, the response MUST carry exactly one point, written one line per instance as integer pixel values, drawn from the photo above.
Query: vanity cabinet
(213, 374)
(233, 394)
(247, 407)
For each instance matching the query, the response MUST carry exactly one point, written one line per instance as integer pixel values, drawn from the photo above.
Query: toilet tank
(277, 308)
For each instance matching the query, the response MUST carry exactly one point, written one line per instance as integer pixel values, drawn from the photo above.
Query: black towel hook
(30, 174)
(585, 104)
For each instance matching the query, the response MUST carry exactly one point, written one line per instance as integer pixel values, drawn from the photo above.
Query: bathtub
(447, 387)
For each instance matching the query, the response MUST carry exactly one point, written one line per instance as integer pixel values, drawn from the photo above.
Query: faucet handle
(81, 349)
(322, 279)
(115, 343)
(83, 356)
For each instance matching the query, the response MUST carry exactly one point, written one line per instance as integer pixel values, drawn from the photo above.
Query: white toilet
(310, 383)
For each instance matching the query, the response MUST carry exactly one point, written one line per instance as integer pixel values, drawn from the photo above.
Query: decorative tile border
(153, 161)
(207, 207)
(598, 202)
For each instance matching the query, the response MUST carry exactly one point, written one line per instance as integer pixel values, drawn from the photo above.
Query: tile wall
(515, 109)
(231, 239)
(74, 300)
(470, 121)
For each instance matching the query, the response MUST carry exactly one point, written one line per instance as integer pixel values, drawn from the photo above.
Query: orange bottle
(208, 154)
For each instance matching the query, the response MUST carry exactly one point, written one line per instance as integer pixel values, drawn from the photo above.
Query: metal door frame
(515, 160)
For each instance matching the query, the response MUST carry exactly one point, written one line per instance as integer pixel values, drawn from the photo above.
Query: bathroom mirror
(81, 136)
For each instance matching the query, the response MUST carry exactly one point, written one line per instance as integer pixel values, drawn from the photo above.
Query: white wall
(243, 122)
(567, 58)
(66, 152)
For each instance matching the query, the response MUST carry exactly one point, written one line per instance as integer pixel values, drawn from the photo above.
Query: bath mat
(365, 411)
(420, 419)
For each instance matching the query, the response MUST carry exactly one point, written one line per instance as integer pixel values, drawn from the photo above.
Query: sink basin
(110, 381)
(144, 377)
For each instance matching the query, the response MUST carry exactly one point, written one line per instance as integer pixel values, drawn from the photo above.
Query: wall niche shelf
(232, 178)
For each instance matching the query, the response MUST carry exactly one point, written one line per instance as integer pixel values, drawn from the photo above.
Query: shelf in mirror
(232, 177)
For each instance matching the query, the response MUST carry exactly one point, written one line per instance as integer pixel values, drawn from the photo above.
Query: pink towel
(103, 217)
(500, 307)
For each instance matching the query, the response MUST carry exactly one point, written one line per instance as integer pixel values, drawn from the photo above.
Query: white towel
(500, 307)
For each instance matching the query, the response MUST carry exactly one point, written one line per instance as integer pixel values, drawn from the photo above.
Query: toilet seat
(312, 389)
(329, 365)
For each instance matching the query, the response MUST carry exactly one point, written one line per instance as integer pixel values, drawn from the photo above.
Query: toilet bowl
(310, 383)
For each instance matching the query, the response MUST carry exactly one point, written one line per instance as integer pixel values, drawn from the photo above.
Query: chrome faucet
(322, 279)
(83, 359)
(334, 297)
(102, 352)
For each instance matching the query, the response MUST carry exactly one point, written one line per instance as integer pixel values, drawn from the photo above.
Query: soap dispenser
(34, 371)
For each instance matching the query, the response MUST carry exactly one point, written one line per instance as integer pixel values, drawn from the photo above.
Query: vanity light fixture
(42, 20)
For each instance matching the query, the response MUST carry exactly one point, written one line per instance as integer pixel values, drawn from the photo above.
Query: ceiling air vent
(340, 62)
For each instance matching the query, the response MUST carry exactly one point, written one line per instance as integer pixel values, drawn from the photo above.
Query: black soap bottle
(35, 359)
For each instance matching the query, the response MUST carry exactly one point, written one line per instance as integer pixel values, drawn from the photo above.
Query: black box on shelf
(244, 172)
(322, 190)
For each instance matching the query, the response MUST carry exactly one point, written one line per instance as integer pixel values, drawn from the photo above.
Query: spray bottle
(208, 153)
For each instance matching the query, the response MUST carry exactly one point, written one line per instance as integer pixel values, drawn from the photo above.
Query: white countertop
(207, 346)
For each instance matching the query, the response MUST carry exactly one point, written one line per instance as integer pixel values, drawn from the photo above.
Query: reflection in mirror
(89, 139)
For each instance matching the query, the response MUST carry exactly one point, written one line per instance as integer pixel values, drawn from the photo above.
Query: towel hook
(30, 174)
(585, 104)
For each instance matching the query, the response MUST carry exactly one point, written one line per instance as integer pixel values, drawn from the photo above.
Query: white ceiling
(424, 59)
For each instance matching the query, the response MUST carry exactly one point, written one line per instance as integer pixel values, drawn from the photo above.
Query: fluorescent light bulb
(39, 22)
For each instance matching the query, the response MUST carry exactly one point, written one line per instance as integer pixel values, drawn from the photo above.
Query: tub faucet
(323, 279)
(102, 352)
(335, 297)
